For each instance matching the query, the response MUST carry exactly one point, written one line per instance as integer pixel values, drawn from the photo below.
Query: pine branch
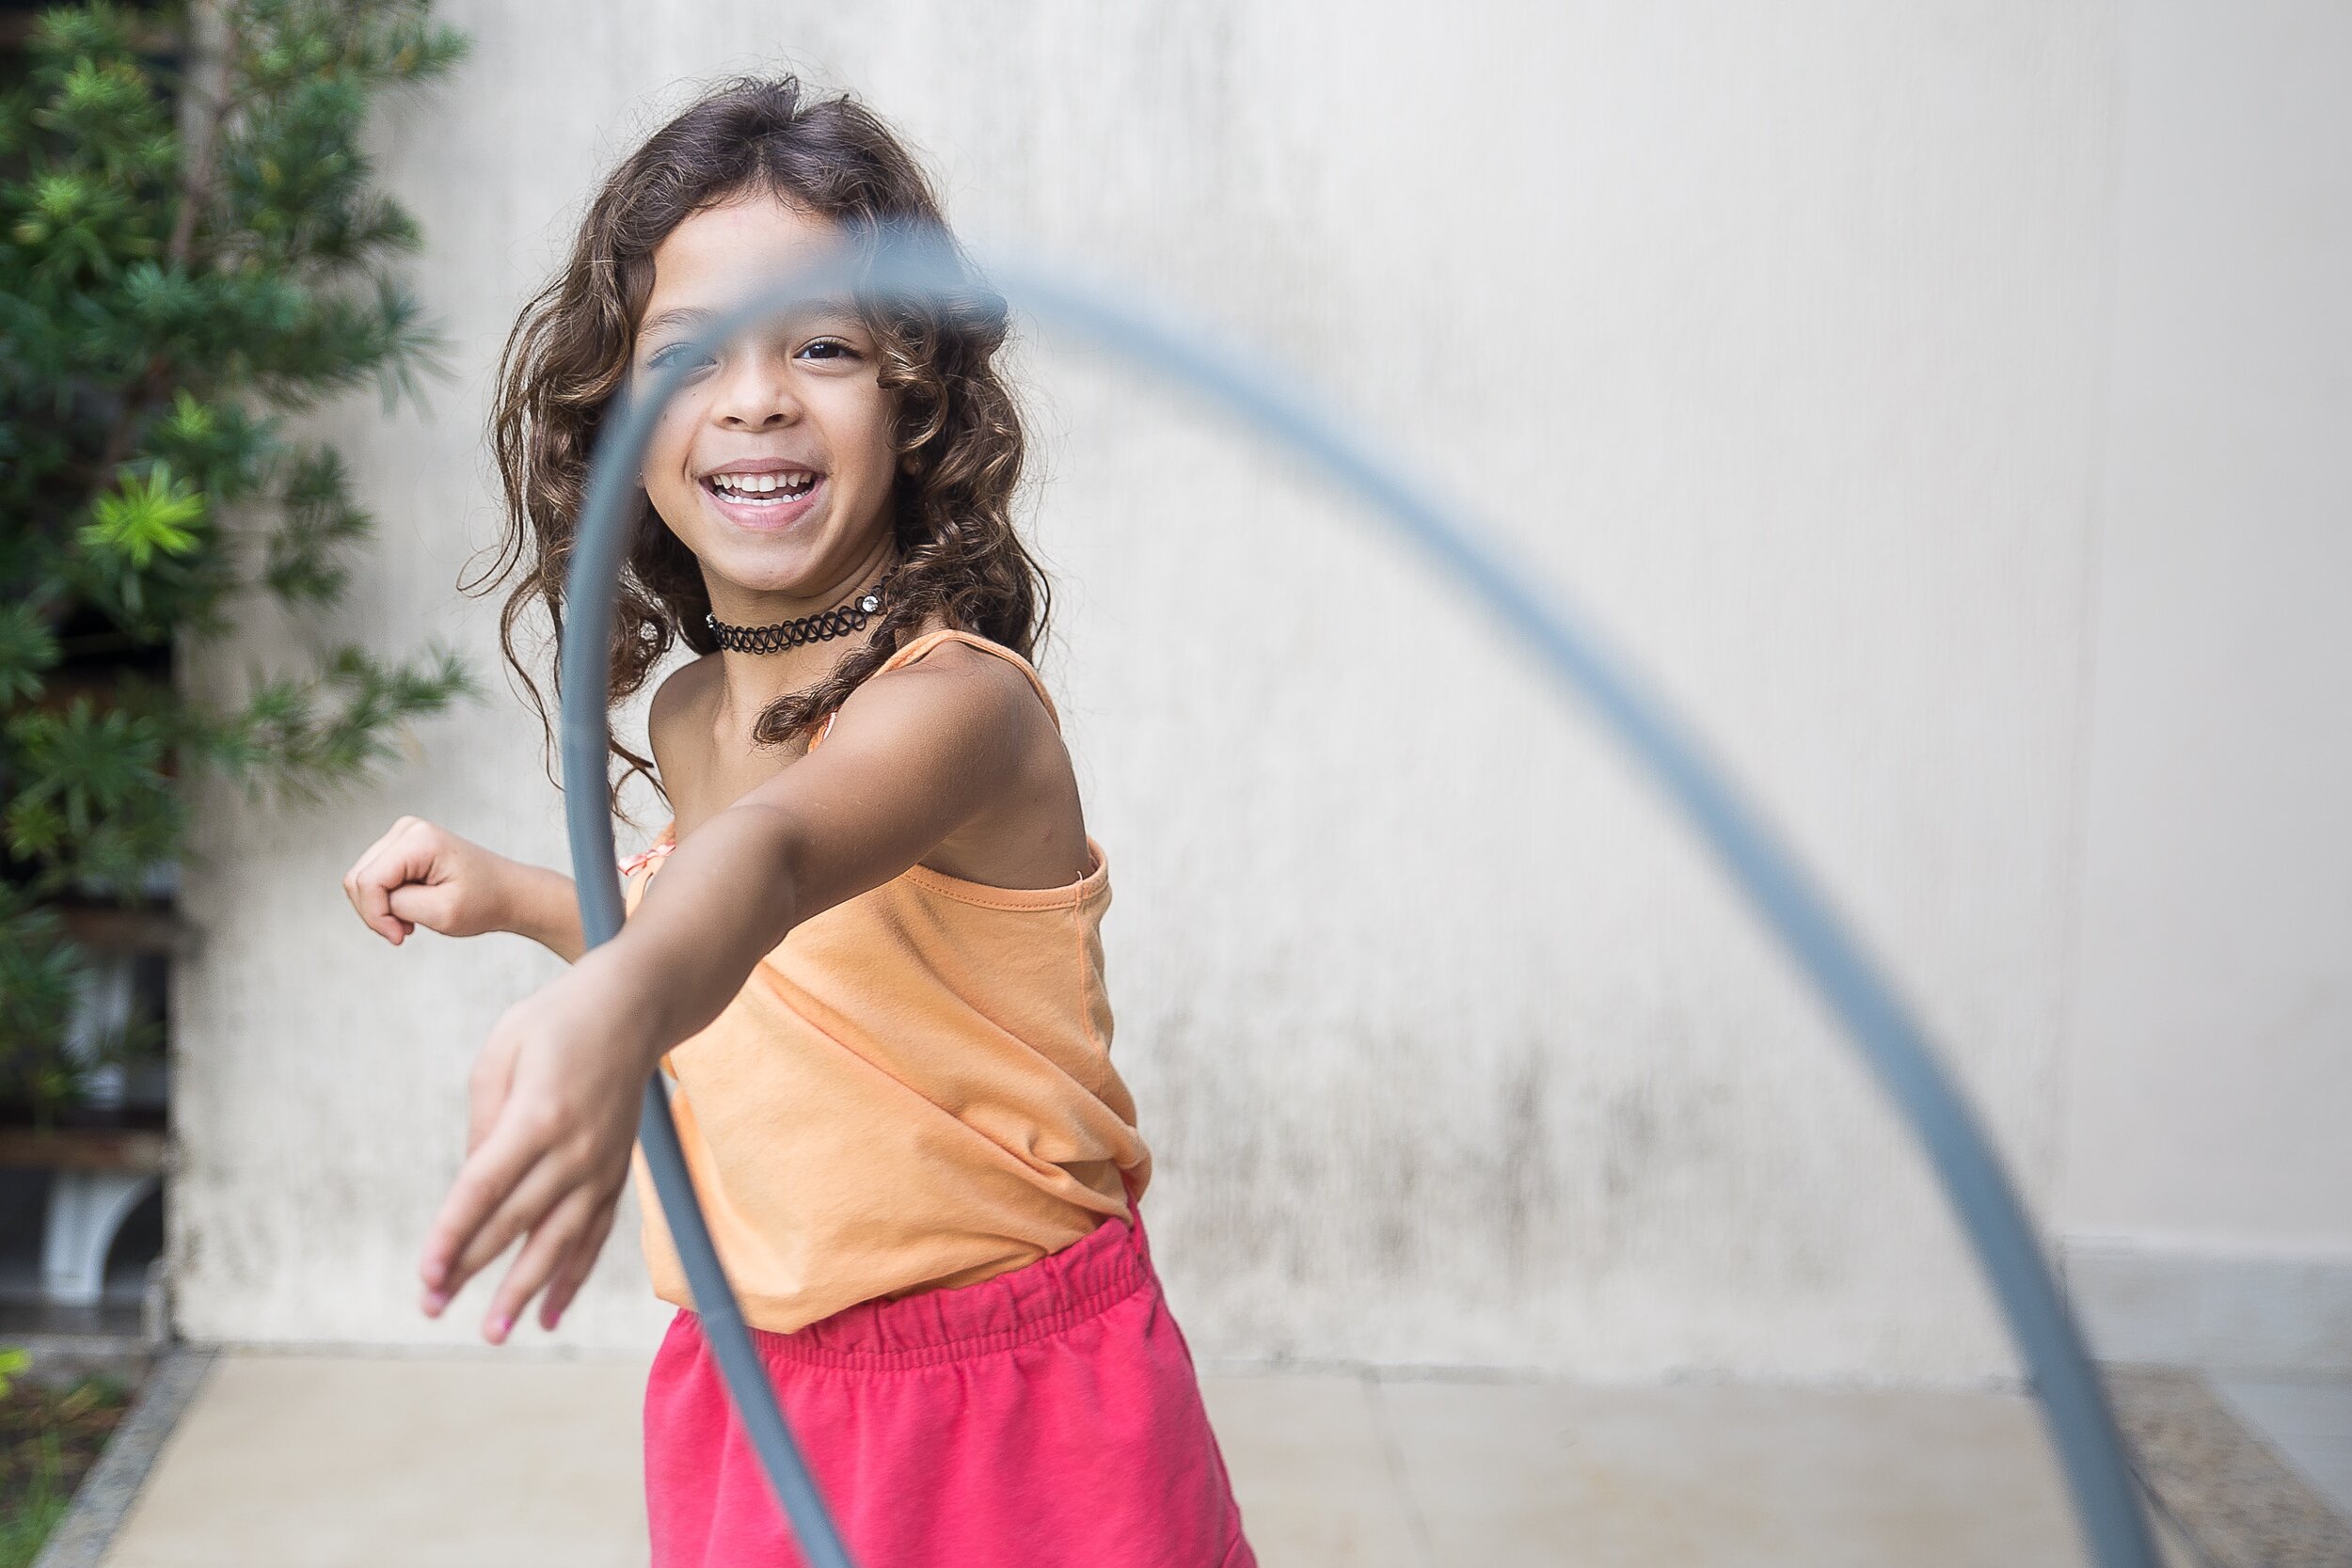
(304, 739)
(177, 270)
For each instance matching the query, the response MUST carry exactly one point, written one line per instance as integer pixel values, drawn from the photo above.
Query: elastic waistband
(1107, 1265)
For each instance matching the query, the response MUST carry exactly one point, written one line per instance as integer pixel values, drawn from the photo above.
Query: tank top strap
(663, 842)
(922, 645)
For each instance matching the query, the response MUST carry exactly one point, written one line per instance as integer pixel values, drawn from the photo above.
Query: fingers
(484, 1189)
(572, 1271)
(553, 1107)
(567, 1223)
(415, 903)
(388, 835)
(549, 1249)
(369, 881)
(522, 1166)
(526, 1208)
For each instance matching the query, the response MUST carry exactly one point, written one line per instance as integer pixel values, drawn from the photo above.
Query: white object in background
(86, 1209)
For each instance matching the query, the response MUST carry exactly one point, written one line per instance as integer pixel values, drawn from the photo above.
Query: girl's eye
(829, 348)
(661, 357)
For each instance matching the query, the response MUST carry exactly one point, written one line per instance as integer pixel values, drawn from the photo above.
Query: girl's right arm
(421, 875)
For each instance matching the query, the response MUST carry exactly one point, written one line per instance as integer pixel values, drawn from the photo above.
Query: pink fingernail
(499, 1328)
(433, 1302)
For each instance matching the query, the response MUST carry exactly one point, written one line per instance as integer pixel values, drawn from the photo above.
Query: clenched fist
(419, 874)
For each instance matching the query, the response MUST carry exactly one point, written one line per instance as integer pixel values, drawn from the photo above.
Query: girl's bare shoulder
(994, 688)
(678, 720)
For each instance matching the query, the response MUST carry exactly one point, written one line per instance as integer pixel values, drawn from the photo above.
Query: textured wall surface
(1776, 332)
(2209, 1076)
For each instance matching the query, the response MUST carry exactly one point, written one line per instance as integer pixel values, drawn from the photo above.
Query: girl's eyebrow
(684, 315)
(695, 316)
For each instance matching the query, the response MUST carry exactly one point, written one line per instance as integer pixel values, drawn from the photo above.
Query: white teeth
(758, 484)
(746, 487)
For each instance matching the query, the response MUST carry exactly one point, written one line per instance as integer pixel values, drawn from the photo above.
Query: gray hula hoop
(2074, 1402)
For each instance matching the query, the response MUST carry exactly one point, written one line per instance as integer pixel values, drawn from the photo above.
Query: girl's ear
(909, 463)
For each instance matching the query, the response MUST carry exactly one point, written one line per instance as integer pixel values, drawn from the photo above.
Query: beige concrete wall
(2208, 1169)
(1776, 332)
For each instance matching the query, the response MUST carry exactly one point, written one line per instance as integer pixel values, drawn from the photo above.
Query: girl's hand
(553, 1115)
(421, 875)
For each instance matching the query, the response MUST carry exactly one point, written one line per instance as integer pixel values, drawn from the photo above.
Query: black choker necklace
(841, 620)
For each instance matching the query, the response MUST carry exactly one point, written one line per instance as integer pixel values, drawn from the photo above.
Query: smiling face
(774, 461)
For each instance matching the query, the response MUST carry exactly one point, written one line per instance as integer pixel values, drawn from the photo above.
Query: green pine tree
(191, 248)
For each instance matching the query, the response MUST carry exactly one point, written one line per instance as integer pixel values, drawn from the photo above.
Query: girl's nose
(755, 394)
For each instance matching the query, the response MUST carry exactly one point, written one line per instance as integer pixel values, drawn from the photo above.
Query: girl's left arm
(913, 756)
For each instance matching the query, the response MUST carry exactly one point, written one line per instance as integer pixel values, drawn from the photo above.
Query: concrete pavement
(341, 1462)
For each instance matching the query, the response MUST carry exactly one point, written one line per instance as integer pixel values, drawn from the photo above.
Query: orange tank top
(913, 1090)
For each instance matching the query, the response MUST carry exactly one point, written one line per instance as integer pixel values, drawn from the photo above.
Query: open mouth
(776, 488)
(772, 496)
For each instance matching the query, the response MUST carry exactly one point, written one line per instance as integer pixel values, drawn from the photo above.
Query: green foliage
(48, 1441)
(26, 1523)
(192, 245)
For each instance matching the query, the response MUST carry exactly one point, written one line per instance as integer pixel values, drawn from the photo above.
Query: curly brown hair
(959, 429)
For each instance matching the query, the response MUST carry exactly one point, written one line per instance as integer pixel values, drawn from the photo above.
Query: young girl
(865, 947)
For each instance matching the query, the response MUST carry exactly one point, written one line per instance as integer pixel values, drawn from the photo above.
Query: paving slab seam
(1392, 1455)
(112, 1487)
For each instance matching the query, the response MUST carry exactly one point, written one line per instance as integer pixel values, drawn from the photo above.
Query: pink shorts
(1049, 1417)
